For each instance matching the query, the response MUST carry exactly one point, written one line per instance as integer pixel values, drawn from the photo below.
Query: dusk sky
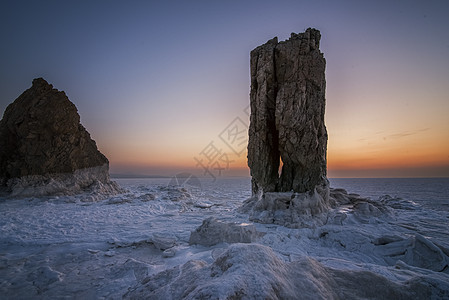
(159, 83)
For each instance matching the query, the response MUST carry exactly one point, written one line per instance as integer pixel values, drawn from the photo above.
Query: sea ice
(252, 271)
(141, 246)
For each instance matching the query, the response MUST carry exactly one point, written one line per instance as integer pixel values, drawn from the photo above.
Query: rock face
(287, 115)
(287, 122)
(44, 149)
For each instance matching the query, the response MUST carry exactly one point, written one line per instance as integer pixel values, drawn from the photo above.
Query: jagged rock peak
(310, 40)
(41, 82)
(310, 37)
(41, 135)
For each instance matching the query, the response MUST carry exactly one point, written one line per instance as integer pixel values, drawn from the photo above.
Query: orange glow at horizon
(386, 151)
(394, 155)
(344, 160)
(391, 146)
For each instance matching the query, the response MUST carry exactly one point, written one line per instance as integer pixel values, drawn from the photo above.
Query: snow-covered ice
(136, 245)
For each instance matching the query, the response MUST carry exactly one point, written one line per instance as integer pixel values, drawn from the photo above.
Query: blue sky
(155, 82)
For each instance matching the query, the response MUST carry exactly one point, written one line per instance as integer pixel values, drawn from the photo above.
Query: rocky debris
(214, 231)
(44, 149)
(287, 125)
(287, 115)
(252, 271)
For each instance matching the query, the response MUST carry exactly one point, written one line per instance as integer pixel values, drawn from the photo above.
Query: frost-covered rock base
(294, 210)
(312, 209)
(95, 180)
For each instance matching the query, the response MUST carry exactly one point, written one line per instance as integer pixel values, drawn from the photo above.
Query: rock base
(294, 210)
(94, 179)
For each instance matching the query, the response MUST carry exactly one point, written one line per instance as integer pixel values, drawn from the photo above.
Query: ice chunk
(147, 197)
(203, 204)
(109, 253)
(163, 242)
(214, 231)
(169, 252)
(416, 251)
(43, 277)
(424, 254)
(118, 200)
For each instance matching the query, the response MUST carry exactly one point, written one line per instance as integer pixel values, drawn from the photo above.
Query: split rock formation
(287, 124)
(44, 149)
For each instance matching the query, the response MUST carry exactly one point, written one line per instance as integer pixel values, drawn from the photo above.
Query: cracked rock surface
(287, 115)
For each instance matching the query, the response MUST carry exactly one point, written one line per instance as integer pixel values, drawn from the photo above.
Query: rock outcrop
(287, 121)
(45, 150)
(287, 115)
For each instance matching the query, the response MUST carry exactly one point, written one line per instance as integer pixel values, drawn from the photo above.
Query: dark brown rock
(41, 138)
(287, 115)
(263, 145)
(287, 124)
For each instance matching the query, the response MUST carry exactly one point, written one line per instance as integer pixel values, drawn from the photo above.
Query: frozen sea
(136, 245)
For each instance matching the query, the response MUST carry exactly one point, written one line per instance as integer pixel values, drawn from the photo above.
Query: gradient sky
(155, 83)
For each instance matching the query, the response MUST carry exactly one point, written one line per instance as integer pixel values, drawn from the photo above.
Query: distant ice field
(431, 193)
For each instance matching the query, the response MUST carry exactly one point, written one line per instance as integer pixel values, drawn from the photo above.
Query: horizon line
(143, 176)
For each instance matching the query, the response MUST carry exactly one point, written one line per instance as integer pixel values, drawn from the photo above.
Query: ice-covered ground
(136, 245)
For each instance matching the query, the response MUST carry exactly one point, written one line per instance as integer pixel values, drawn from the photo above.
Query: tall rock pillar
(287, 129)
(287, 115)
